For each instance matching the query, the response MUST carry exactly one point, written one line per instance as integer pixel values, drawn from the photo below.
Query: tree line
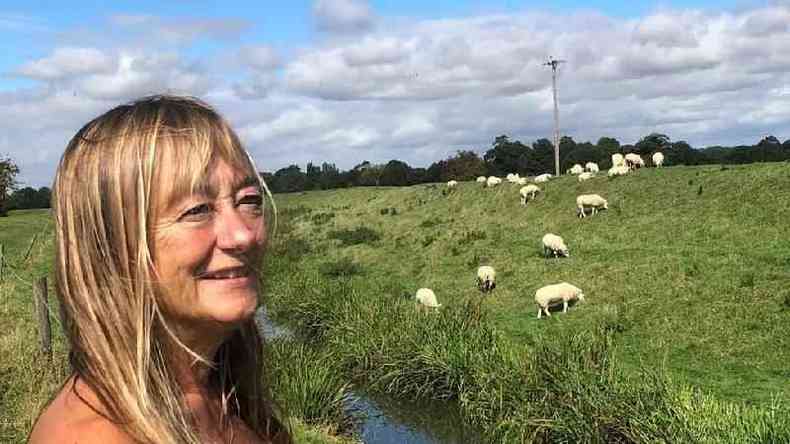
(508, 156)
(502, 157)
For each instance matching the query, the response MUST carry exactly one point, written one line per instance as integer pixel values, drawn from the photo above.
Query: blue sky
(352, 80)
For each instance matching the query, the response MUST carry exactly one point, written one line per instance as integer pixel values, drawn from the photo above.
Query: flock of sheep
(553, 245)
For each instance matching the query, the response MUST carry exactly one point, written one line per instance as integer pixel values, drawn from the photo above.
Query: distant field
(691, 263)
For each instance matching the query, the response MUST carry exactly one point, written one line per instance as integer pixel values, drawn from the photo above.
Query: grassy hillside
(690, 266)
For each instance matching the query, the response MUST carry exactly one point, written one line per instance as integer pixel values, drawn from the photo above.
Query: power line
(554, 63)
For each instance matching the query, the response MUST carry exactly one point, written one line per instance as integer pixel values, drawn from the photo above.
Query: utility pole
(554, 63)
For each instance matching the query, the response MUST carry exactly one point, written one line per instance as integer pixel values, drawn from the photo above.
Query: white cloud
(420, 90)
(343, 16)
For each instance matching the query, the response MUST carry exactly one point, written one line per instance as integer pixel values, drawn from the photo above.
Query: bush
(471, 236)
(308, 383)
(341, 268)
(322, 218)
(356, 236)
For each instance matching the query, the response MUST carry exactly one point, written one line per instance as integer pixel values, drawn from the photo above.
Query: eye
(252, 203)
(196, 213)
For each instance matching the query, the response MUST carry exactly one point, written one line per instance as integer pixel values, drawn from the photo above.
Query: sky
(344, 81)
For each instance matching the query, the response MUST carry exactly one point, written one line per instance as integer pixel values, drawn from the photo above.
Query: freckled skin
(205, 234)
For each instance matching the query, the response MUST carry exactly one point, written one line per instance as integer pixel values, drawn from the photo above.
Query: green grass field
(691, 263)
(688, 272)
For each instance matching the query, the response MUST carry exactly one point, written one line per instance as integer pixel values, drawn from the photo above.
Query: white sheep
(528, 191)
(593, 201)
(481, 179)
(493, 181)
(486, 278)
(634, 161)
(576, 169)
(543, 178)
(658, 159)
(512, 178)
(586, 176)
(591, 167)
(620, 170)
(554, 245)
(617, 160)
(452, 184)
(427, 297)
(553, 294)
(522, 181)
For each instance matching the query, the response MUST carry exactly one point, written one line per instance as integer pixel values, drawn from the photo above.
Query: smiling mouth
(226, 273)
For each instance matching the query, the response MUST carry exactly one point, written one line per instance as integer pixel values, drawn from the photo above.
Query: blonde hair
(104, 200)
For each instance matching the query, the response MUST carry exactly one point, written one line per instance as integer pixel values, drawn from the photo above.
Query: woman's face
(208, 248)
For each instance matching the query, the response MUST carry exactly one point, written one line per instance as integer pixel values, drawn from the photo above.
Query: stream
(393, 421)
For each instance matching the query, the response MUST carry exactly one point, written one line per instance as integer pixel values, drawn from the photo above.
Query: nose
(235, 232)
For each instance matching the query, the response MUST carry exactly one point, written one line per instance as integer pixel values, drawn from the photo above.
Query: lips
(226, 273)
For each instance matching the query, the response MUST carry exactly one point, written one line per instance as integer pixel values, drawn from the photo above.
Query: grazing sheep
(528, 191)
(481, 179)
(593, 201)
(550, 295)
(486, 278)
(512, 178)
(586, 176)
(554, 245)
(543, 178)
(617, 160)
(493, 181)
(426, 297)
(591, 167)
(452, 184)
(620, 170)
(658, 159)
(522, 181)
(576, 169)
(634, 161)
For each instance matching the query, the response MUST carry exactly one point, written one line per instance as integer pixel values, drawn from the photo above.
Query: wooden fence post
(42, 308)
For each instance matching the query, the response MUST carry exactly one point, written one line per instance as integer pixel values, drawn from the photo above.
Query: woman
(160, 232)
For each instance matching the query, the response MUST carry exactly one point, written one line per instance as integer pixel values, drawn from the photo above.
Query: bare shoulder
(69, 419)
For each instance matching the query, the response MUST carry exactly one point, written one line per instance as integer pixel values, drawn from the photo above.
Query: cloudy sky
(352, 80)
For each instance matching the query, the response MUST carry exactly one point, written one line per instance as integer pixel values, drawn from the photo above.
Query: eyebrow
(208, 189)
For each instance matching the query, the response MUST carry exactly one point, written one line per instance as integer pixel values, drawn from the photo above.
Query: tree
(609, 145)
(542, 159)
(288, 180)
(651, 143)
(8, 172)
(506, 157)
(465, 165)
(395, 173)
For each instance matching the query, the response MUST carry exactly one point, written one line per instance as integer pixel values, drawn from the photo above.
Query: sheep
(556, 293)
(427, 297)
(658, 159)
(576, 169)
(543, 178)
(521, 181)
(634, 161)
(554, 245)
(481, 179)
(617, 160)
(452, 184)
(593, 201)
(529, 190)
(512, 178)
(620, 170)
(493, 181)
(591, 167)
(486, 278)
(585, 176)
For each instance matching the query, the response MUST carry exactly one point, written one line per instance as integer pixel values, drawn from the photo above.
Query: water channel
(390, 421)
